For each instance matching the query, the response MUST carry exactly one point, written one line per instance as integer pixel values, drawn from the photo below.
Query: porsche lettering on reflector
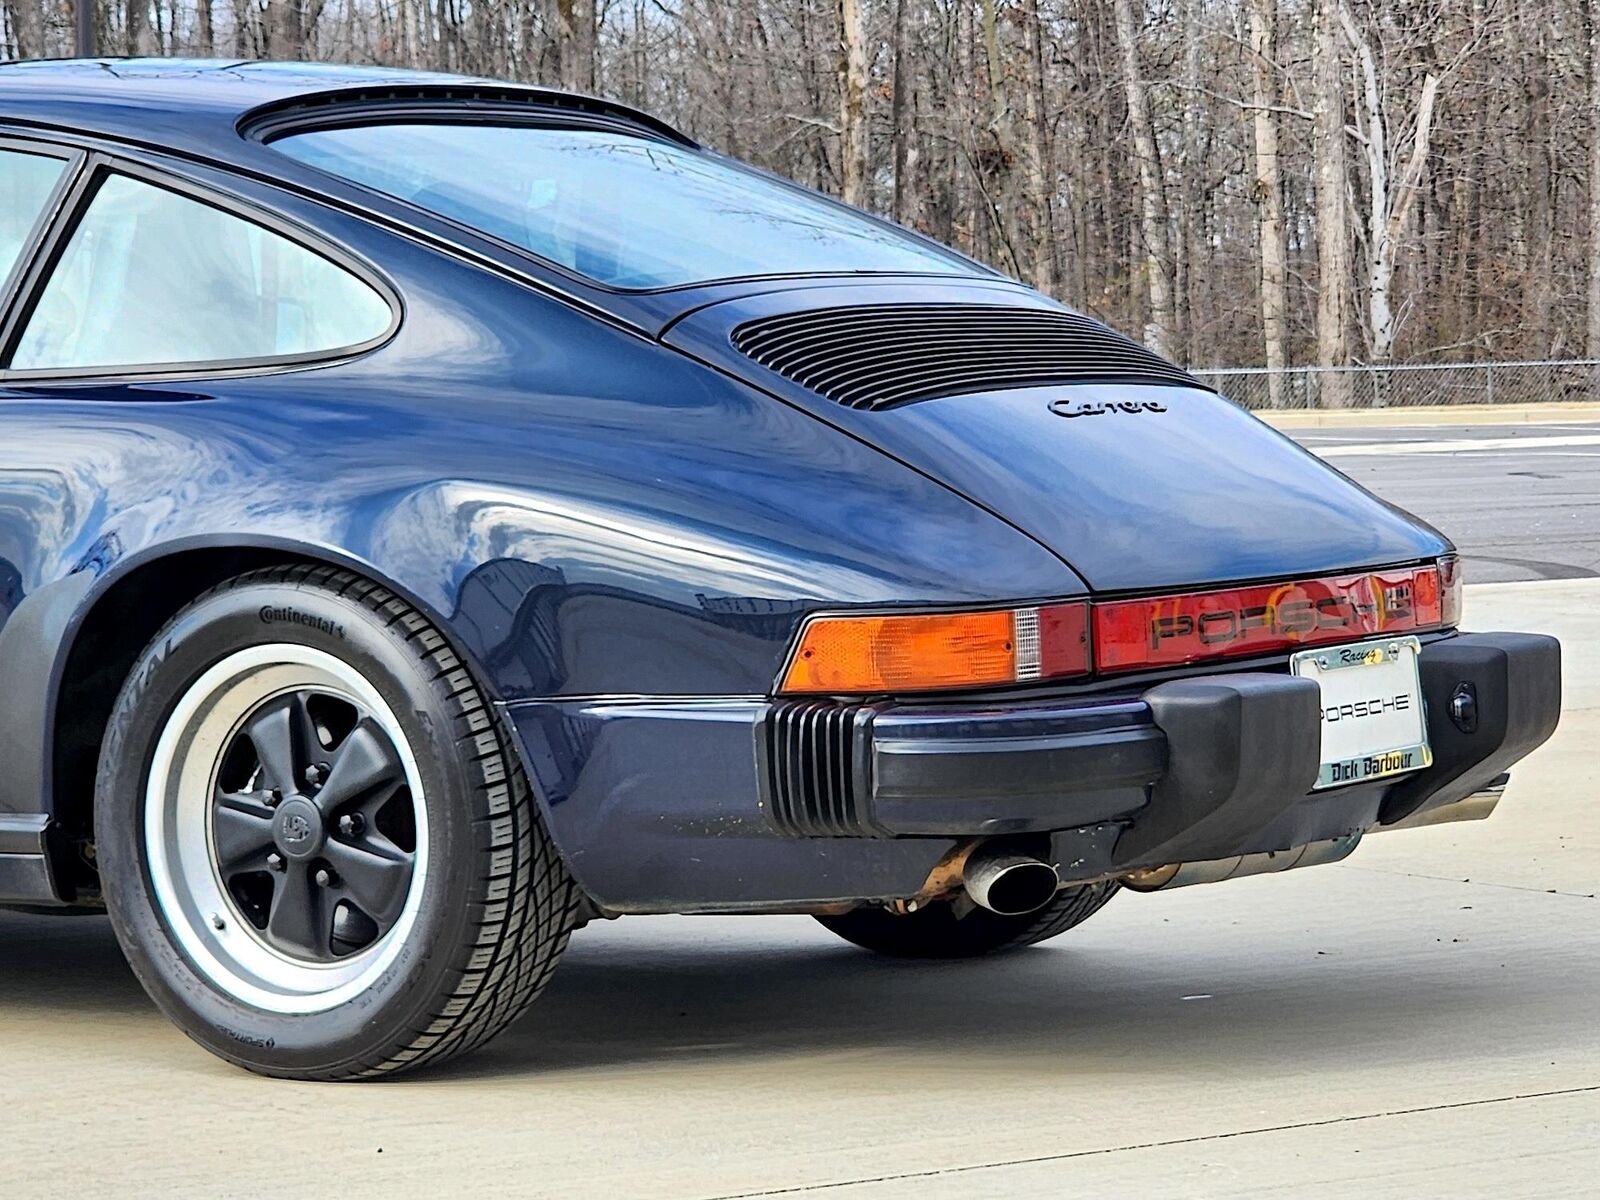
(1372, 719)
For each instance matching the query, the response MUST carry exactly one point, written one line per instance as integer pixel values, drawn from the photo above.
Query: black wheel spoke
(307, 833)
(242, 827)
(374, 876)
(279, 734)
(297, 920)
(365, 768)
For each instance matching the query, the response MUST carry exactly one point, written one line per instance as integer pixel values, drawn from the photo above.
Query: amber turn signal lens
(904, 653)
(921, 652)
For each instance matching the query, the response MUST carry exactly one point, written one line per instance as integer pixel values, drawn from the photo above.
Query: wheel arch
(83, 669)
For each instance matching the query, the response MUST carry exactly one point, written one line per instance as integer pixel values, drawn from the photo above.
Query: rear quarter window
(153, 276)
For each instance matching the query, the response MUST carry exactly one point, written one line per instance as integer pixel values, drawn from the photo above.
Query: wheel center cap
(297, 828)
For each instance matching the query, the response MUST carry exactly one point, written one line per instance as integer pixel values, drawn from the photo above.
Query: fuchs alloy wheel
(285, 831)
(318, 848)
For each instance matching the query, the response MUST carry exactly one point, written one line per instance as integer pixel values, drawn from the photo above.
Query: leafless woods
(1244, 181)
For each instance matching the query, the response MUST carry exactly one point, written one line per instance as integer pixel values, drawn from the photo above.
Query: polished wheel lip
(194, 905)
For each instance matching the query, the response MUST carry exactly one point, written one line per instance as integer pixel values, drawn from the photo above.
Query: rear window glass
(629, 212)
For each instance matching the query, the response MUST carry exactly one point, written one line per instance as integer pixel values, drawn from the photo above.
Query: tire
(411, 921)
(936, 931)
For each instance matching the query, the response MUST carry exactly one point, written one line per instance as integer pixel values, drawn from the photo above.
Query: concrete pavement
(1521, 501)
(1419, 1019)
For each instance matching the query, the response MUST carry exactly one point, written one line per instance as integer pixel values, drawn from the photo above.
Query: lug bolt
(352, 824)
(275, 861)
(274, 798)
(325, 878)
(317, 774)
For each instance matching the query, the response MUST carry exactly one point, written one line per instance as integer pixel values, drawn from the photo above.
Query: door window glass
(26, 181)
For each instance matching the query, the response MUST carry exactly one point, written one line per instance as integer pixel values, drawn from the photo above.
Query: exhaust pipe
(1157, 879)
(1008, 884)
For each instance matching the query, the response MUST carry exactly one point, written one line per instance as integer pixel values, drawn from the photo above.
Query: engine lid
(1139, 484)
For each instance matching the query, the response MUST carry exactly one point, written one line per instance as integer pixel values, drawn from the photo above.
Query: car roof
(198, 100)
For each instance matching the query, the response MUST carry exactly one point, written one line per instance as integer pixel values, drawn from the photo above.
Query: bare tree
(1248, 181)
(852, 102)
(1332, 222)
(1591, 21)
(1269, 193)
(1391, 186)
(1153, 217)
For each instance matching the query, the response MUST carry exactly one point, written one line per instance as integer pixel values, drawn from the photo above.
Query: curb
(1445, 414)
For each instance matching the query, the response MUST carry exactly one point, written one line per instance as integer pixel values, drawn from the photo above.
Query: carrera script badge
(1096, 408)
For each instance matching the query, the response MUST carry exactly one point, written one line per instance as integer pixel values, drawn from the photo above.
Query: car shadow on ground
(660, 996)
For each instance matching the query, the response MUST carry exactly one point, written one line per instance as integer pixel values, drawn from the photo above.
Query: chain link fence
(1409, 385)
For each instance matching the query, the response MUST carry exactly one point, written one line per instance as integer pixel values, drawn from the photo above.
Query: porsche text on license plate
(1372, 719)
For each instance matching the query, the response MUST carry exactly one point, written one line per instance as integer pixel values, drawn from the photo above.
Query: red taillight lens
(1450, 593)
(920, 652)
(1166, 631)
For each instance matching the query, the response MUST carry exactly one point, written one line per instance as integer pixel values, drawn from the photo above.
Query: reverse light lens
(923, 652)
(916, 652)
(1167, 631)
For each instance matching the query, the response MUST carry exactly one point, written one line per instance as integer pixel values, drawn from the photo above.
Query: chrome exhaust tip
(1009, 884)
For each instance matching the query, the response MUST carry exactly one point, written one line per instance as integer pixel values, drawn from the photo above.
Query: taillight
(1165, 631)
(922, 652)
(1450, 593)
(915, 652)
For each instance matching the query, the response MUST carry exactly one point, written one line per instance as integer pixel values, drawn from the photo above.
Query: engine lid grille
(879, 356)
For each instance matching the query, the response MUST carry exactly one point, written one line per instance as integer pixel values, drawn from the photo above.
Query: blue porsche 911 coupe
(437, 513)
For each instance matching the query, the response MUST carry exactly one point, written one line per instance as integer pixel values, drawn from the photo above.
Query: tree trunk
(575, 44)
(1592, 21)
(852, 103)
(137, 27)
(205, 34)
(900, 115)
(1041, 165)
(1187, 277)
(1269, 194)
(1332, 219)
(1389, 201)
(1153, 205)
(26, 19)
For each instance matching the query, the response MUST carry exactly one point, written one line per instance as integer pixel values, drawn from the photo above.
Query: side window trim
(69, 209)
(13, 285)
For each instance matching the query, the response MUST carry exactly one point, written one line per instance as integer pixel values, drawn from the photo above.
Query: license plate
(1372, 719)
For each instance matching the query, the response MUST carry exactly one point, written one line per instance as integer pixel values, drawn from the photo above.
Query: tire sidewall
(424, 970)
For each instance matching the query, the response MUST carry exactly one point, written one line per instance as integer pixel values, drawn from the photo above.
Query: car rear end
(1265, 663)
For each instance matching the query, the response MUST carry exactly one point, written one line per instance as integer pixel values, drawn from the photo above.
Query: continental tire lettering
(272, 615)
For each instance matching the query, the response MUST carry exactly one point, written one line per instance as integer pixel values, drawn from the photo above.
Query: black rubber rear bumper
(1193, 769)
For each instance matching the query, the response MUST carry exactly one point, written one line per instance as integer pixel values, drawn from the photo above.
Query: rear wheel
(937, 931)
(317, 845)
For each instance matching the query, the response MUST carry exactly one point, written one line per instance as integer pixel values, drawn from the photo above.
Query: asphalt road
(1521, 501)
(1421, 1019)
